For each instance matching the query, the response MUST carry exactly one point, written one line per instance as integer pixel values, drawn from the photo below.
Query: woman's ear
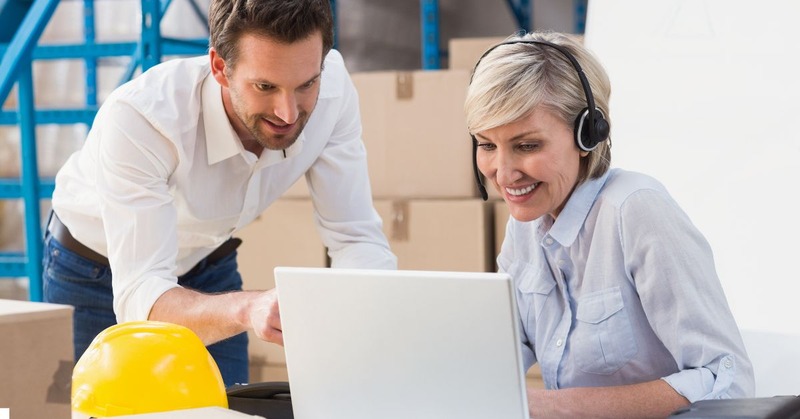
(218, 67)
(584, 153)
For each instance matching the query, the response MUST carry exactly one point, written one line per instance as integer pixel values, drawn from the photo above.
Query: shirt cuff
(701, 383)
(363, 256)
(135, 304)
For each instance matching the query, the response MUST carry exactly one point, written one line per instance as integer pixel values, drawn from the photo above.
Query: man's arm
(652, 399)
(339, 182)
(214, 317)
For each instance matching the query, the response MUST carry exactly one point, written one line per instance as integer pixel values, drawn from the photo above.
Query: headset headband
(595, 123)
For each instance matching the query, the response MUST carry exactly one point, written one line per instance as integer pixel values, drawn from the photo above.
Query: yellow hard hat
(145, 367)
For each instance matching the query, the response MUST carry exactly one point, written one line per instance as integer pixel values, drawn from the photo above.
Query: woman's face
(533, 162)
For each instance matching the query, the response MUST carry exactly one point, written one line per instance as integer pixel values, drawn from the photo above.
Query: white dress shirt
(621, 289)
(163, 179)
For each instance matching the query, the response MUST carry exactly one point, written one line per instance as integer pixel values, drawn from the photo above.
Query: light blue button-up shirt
(621, 289)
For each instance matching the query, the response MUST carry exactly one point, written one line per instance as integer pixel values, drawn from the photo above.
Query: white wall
(704, 98)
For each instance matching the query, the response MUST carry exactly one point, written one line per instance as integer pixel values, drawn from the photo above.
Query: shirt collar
(221, 140)
(270, 157)
(573, 216)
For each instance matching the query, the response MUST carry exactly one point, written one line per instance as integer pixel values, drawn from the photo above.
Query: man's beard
(255, 125)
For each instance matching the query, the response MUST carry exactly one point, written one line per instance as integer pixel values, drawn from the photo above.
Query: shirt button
(548, 240)
(727, 363)
(559, 343)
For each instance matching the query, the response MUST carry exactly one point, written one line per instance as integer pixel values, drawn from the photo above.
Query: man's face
(272, 90)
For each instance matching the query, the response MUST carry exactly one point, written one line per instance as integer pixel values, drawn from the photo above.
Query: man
(191, 151)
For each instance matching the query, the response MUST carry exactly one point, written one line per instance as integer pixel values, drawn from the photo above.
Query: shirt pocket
(602, 341)
(535, 285)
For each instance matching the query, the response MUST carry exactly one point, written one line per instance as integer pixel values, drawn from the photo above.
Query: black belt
(61, 233)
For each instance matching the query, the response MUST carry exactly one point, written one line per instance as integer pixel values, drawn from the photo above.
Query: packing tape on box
(404, 85)
(400, 214)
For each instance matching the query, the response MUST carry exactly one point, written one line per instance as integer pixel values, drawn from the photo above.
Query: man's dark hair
(286, 21)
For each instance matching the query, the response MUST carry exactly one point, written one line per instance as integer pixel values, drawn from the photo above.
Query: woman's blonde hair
(512, 80)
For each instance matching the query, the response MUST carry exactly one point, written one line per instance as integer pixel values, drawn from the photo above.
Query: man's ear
(218, 67)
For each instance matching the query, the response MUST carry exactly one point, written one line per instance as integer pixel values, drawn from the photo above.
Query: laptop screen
(401, 344)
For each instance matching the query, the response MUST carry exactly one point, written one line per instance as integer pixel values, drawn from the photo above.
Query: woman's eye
(486, 146)
(528, 147)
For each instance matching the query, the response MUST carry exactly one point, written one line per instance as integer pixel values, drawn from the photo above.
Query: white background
(704, 97)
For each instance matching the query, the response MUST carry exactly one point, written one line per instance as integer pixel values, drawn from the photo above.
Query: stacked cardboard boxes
(420, 166)
(439, 235)
(415, 134)
(420, 155)
(36, 359)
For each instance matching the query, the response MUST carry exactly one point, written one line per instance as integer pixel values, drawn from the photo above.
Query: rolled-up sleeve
(712, 382)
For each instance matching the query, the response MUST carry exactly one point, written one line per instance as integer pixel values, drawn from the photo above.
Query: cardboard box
(36, 359)
(444, 235)
(465, 52)
(284, 235)
(415, 133)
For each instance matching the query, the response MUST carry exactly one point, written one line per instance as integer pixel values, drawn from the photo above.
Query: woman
(618, 296)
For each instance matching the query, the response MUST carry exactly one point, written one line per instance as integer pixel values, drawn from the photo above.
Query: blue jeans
(86, 285)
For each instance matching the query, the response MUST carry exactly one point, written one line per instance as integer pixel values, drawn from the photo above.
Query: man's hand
(265, 317)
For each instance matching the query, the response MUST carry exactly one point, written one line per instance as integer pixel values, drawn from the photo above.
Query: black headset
(591, 127)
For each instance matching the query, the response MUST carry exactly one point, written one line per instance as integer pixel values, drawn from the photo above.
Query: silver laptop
(367, 344)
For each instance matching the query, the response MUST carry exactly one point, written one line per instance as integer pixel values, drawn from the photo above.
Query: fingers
(271, 332)
(268, 325)
(274, 322)
(273, 335)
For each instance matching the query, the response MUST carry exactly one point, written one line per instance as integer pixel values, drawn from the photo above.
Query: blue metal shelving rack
(15, 66)
(521, 9)
(429, 24)
(21, 25)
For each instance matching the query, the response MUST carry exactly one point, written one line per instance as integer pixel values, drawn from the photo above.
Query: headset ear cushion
(601, 127)
(585, 138)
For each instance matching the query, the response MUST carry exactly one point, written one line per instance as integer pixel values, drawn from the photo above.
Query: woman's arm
(652, 399)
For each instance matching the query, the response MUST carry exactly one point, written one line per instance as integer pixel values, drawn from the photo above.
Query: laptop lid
(401, 344)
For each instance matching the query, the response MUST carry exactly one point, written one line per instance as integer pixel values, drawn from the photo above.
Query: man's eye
(309, 84)
(263, 86)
